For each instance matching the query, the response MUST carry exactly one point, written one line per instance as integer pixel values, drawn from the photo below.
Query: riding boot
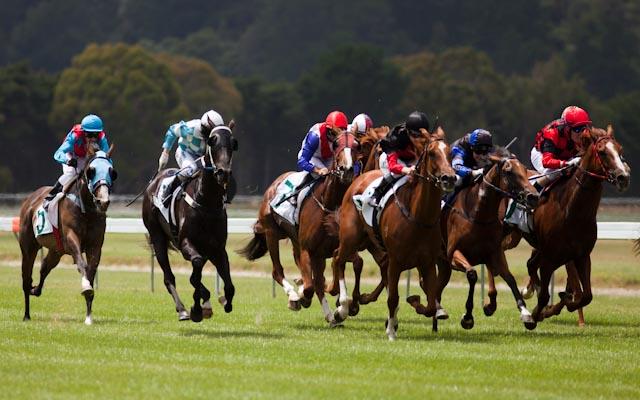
(168, 191)
(57, 188)
(386, 184)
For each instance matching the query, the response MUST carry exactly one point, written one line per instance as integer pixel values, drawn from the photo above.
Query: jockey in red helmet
(315, 155)
(556, 144)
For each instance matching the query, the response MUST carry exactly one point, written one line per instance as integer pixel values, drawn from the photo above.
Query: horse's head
(219, 153)
(99, 175)
(435, 158)
(603, 157)
(509, 175)
(346, 152)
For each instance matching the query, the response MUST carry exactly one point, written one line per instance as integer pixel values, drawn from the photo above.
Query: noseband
(607, 176)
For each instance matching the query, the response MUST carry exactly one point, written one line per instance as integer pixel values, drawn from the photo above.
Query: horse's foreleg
(93, 260)
(459, 261)
(499, 266)
(393, 276)
(382, 260)
(490, 307)
(317, 270)
(307, 278)
(546, 270)
(358, 264)
(189, 252)
(29, 254)
(75, 249)
(533, 285)
(583, 266)
(221, 261)
(48, 263)
(159, 243)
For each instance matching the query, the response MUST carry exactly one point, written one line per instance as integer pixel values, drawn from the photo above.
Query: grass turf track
(137, 349)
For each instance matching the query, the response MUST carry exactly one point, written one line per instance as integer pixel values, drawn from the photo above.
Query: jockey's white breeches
(69, 172)
(536, 161)
(187, 164)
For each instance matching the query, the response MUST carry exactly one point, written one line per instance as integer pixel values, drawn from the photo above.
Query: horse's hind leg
(382, 260)
(277, 271)
(490, 307)
(460, 261)
(73, 242)
(159, 243)
(498, 265)
(189, 252)
(534, 281)
(49, 262)
(393, 276)
(221, 261)
(358, 264)
(29, 252)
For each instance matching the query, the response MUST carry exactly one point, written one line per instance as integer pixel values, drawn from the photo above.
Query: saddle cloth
(518, 216)
(167, 212)
(289, 209)
(370, 212)
(45, 221)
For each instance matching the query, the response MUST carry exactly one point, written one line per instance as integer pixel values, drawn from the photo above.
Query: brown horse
(565, 229)
(311, 243)
(81, 225)
(371, 147)
(472, 230)
(409, 234)
(202, 225)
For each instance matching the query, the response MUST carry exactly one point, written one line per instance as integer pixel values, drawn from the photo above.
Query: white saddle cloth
(362, 201)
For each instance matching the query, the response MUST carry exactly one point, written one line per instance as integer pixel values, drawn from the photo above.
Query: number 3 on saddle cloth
(285, 202)
(370, 213)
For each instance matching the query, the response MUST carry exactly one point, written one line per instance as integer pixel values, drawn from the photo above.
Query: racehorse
(565, 229)
(472, 231)
(371, 147)
(311, 243)
(408, 235)
(201, 231)
(81, 225)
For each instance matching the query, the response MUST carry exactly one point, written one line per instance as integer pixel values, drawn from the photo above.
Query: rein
(607, 175)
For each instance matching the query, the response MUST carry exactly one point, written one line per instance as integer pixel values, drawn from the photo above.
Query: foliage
(27, 140)
(136, 96)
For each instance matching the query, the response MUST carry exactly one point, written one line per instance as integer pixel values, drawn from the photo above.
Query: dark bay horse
(565, 229)
(81, 226)
(202, 225)
(472, 230)
(409, 234)
(312, 245)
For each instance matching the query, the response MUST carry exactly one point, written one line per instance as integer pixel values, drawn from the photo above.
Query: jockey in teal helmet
(72, 153)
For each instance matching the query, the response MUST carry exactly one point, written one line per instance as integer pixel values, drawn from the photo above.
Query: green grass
(614, 263)
(137, 348)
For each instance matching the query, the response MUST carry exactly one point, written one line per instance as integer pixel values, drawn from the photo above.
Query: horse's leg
(491, 307)
(93, 260)
(568, 296)
(382, 260)
(73, 242)
(277, 272)
(393, 276)
(358, 264)
(498, 265)
(583, 265)
(159, 243)
(306, 269)
(444, 275)
(189, 252)
(533, 284)
(29, 249)
(459, 261)
(317, 270)
(546, 270)
(221, 261)
(48, 263)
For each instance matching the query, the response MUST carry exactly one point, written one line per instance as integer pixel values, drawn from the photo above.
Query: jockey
(556, 145)
(400, 153)
(191, 136)
(360, 125)
(469, 155)
(316, 155)
(72, 153)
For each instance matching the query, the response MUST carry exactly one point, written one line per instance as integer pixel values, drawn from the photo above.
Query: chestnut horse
(311, 243)
(472, 230)
(409, 234)
(371, 147)
(81, 224)
(565, 229)
(202, 225)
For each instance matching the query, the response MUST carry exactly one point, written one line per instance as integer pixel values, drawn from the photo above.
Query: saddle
(289, 196)
(370, 213)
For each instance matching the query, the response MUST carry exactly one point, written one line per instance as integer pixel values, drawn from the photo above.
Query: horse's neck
(208, 192)
(583, 192)
(332, 192)
(486, 199)
(425, 197)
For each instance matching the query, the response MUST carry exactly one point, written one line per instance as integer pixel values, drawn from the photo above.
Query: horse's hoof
(305, 302)
(294, 305)
(488, 309)
(527, 293)
(207, 313)
(531, 325)
(228, 308)
(183, 316)
(88, 320)
(414, 300)
(196, 314)
(354, 309)
(35, 291)
(467, 323)
(334, 323)
(442, 314)
(26, 318)
(386, 325)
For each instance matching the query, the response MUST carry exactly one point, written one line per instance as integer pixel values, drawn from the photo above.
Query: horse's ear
(232, 124)
(91, 173)
(110, 151)
(113, 173)
(586, 139)
(610, 130)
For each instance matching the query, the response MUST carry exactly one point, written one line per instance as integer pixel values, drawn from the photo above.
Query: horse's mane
(373, 135)
(502, 152)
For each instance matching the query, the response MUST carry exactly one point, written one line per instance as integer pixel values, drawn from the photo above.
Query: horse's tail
(257, 247)
(331, 223)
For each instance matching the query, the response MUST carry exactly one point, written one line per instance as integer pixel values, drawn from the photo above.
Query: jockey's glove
(72, 162)
(477, 172)
(573, 162)
(163, 160)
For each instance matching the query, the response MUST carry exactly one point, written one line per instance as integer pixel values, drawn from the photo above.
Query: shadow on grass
(221, 334)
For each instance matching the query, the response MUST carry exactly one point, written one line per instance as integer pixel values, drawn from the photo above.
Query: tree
(202, 88)
(353, 79)
(27, 141)
(136, 96)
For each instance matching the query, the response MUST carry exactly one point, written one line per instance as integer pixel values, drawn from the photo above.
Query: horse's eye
(91, 173)
(212, 141)
(113, 173)
(234, 144)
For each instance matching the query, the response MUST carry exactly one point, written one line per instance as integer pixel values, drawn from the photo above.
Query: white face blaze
(348, 159)
(102, 195)
(620, 166)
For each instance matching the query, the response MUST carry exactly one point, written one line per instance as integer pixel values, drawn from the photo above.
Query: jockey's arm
(549, 157)
(103, 143)
(65, 151)
(394, 166)
(170, 138)
(457, 163)
(309, 147)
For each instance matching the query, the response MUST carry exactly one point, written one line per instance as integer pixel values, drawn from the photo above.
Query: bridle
(429, 177)
(520, 197)
(213, 168)
(607, 176)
